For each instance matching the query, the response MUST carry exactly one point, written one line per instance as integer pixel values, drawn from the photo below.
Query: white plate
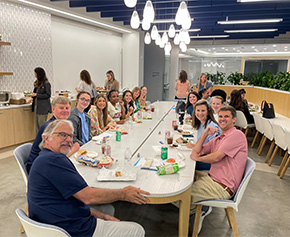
(109, 175)
(91, 154)
(180, 163)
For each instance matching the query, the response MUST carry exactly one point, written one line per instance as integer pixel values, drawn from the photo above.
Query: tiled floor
(264, 210)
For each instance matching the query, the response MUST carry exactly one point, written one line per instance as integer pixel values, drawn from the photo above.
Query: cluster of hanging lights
(182, 18)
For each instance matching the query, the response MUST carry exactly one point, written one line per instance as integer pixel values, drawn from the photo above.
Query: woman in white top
(115, 107)
(216, 103)
(86, 85)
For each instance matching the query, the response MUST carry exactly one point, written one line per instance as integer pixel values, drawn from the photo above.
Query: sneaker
(203, 215)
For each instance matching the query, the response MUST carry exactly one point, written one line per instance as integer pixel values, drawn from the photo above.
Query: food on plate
(171, 160)
(173, 145)
(181, 140)
(81, 152)
(118, 174)
(138, 120)
(185, 132)
(106, 161)
(120, 129)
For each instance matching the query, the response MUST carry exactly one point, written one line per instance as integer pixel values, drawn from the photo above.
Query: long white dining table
(141, 138)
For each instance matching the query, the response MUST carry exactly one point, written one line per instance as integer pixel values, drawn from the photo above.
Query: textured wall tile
(29, 32)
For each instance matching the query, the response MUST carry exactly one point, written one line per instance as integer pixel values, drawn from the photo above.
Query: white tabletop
(140, 140)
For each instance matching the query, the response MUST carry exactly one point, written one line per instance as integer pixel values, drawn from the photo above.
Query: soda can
(164, 153)
(118, 136)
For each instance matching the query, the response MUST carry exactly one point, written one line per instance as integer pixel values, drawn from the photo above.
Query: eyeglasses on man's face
(64, 135)
(85, 100)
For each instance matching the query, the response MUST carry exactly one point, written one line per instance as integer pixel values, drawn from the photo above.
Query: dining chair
(259, 128)
(36, 229)
(228, 205)
(21, 154)
(280, 141)
(241, 122)
(268, 134)
(286, 160)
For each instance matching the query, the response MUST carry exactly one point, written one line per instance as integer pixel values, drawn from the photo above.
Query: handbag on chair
(268, 110)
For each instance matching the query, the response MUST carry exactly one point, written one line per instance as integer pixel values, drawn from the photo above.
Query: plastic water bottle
(130, 123)
(127, 157)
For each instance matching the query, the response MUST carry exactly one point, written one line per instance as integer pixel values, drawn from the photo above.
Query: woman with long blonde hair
(203, 84)
(100, 119)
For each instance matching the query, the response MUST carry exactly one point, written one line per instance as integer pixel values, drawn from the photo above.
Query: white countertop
(12, 106)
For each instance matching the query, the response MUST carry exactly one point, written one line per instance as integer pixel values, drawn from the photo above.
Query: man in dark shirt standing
(58, 195)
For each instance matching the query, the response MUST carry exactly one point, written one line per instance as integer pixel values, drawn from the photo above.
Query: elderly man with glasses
(58, 195)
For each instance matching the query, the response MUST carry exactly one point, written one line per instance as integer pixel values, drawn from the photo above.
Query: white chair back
(36, 229)
(241, 121)
(280, 136)
(258, 123)
(249, 169)
(268, 130)
(21, 154)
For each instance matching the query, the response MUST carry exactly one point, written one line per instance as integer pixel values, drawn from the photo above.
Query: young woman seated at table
(100, 119)
(115, 107)
(216, 103)
(204, 94)
(136, 94)
(143, 97)
(128, 104)
(238, 103)
(192, 98)
(203, 117)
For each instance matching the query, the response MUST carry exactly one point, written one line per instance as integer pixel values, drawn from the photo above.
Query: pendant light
(171, 31)
(168, 46)
(187, 37)
(161, 45)
(148, 12)
(146, 24)
(167, 52)
(158, 40)
(147, 38)
(182, 35)
(186, 23)
(164, 38)
(181, 13)
(154, 32)
(176, 39)
(183, 46)
(135, 20)
(130, 3)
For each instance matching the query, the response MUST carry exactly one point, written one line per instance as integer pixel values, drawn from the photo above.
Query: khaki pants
(39, 120)
(205, 188)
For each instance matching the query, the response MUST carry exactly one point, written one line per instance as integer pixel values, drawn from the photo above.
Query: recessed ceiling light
(274, 45)
(209, 36)
(253, 47)
(275, 50)
(248, 31)
(250, 21)
(285, 47)
(76, 16)
(223, 47)
(213, 48)
(265, 48)
(226, 49)
(209, 50)
(234, 48)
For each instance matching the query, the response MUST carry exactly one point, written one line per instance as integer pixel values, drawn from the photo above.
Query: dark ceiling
(205, 13)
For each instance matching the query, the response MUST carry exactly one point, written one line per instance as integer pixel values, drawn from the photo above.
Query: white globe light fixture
(182, 35)
(158, 40)
(181, 13)
(186, 23)
(130, 3)
(164, 38)
(187, 38)
(176, 39)
(161, 45)
(147, 38)
(135, 20)
(154, 32)
(146, 24)
(168, 46)
(167, 52)
(183, 47)
(171, 31)
(148, 12)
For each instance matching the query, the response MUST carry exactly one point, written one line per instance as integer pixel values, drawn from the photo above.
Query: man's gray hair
(60, 100)
(51, 127)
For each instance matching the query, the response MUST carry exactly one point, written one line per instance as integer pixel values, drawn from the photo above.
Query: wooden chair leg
(255, 138)
(228, 217)
(21, 228)
(273, 155)
(232, 221)
(247, 130)
(283, 163)
(270, 151)
(285, 168)
(262, 144)
(196, 220)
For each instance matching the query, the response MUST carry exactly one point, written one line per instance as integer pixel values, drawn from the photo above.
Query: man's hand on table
(132, 194)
